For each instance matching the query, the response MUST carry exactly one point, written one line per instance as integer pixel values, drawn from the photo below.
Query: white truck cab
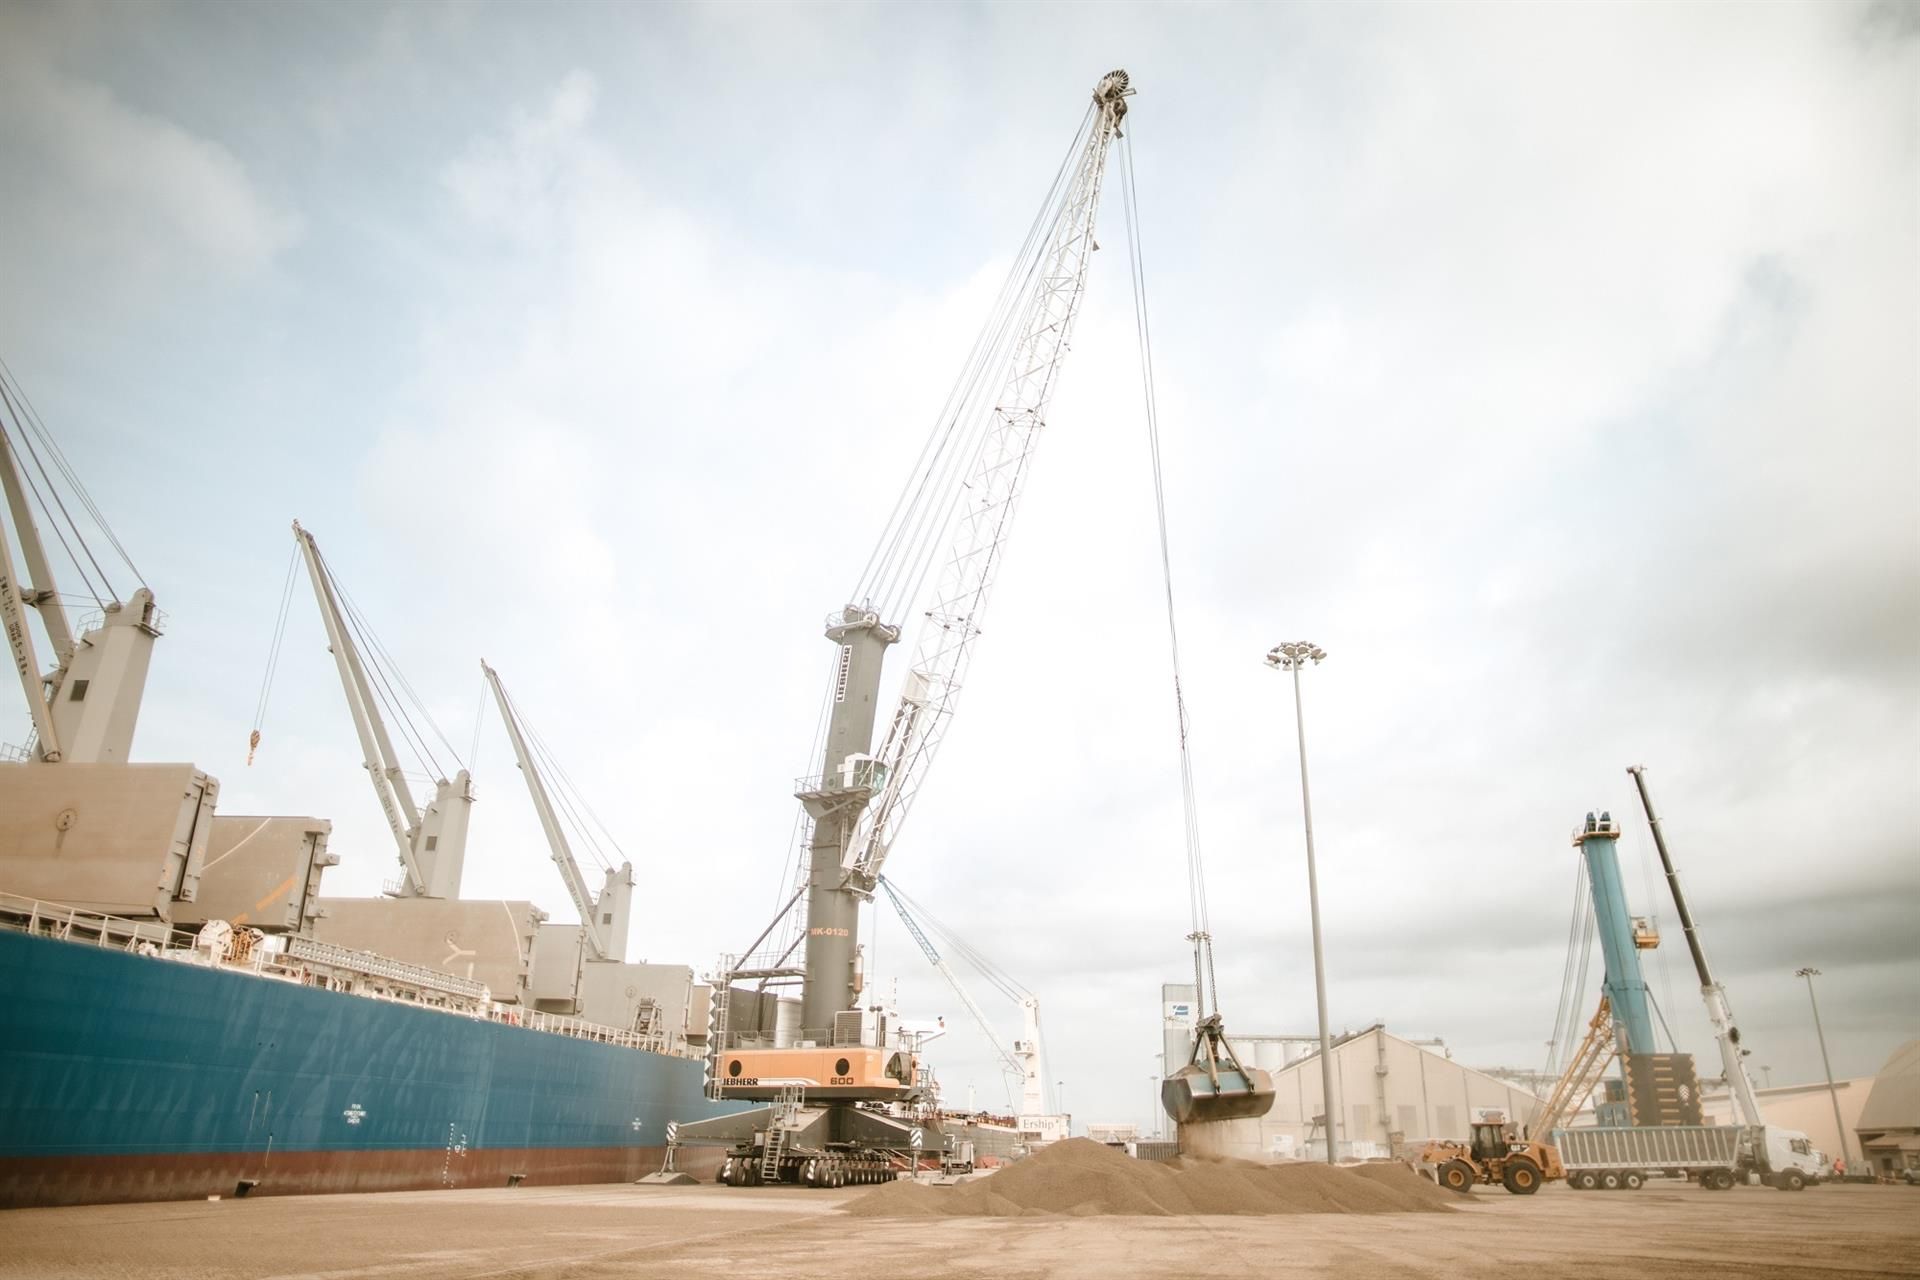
(1785, 1158)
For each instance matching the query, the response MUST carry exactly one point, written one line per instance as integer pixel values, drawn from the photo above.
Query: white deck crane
(85, 707)
(432, 844)
(603, 919)
(1026, 1056)
(1013, 1064)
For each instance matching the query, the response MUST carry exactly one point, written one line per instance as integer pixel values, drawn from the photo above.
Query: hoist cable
(1208, 995)
(71, 476)
(49, 502)
(273, 653)
(901, 559)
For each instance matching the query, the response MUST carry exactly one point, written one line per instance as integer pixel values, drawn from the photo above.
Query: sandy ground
(601, 1232)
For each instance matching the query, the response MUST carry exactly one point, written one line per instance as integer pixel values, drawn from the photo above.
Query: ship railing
(306, 960)
(73, 924)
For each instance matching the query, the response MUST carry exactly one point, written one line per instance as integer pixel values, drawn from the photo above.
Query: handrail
(317, 964)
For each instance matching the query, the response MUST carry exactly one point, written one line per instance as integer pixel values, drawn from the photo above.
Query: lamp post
(1060, 1096)
(1839, 1125)
(1291, 657)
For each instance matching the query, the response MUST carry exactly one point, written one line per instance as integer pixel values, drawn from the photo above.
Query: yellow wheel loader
(1493, 1155)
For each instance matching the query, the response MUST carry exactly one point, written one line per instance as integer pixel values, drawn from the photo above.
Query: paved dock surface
(598, 1233)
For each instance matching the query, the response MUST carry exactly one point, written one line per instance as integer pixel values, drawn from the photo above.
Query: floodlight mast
(1290, 657)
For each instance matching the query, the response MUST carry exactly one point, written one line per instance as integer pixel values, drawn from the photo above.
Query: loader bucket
(1190, 1096)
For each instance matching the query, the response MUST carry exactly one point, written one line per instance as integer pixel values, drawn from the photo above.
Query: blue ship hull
(128, 1077)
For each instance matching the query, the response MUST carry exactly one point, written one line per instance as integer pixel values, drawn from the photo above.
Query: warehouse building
(1889, 1125)
(1389, 1093)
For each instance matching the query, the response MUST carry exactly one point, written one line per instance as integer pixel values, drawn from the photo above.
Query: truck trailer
(1717, 1156)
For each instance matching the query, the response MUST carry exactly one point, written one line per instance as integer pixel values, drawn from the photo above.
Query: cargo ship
(187, 1016)
(139, 1062)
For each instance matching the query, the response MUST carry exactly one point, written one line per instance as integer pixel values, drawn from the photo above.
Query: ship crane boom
(603, 919)
(431, 842)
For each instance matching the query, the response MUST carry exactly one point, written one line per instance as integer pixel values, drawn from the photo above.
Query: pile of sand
(1084, 1179)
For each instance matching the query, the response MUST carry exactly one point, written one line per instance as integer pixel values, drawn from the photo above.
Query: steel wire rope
(67, 470)
(998, 977)
(1650, 888)
(1567, 967)
(419, 704)
(562, 790)
(794, 908)
(63, 522)
(385, 668)
(995, 371)
(576, 801)
(1000, 357)
(1189, 799)
(372, 653)
(910, 506)
(479, 720)
(993, 355)
(273, 653)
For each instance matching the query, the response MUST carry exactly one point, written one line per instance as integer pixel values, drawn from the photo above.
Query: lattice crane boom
(990, 497)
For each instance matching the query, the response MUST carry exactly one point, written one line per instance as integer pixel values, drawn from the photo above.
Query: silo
(786, 1023)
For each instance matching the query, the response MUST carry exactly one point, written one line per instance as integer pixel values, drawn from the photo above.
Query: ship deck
(596, 1233)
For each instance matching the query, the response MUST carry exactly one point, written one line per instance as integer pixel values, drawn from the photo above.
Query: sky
(1553, 367)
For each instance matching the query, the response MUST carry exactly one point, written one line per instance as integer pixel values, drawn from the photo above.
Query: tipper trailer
(1716, 1155)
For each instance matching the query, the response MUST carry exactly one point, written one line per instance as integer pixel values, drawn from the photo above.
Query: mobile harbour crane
(851, 1100)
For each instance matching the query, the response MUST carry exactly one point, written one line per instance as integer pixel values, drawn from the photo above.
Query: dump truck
(1715, 1155)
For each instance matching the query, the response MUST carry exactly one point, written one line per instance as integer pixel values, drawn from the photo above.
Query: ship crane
(85, 706)
(1026, 1058)
(432, 843)
(962, 497)
(603, 918)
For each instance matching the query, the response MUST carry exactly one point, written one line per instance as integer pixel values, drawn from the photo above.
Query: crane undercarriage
(838, 1144)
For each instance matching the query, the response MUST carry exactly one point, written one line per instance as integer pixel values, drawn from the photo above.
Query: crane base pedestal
(839, 1144)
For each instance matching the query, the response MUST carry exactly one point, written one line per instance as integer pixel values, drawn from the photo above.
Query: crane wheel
(1457, 1175)
(1522, 1177)
(1632, 1180)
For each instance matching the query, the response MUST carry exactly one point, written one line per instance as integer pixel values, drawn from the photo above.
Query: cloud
(137, 184)
(1551, 367)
